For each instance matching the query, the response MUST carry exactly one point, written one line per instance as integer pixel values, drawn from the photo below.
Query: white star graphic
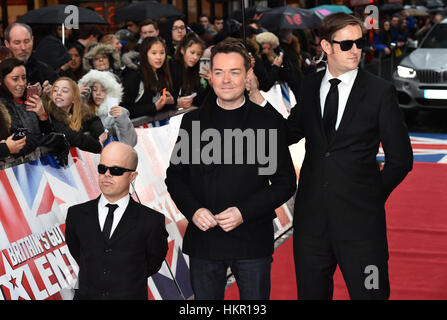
(12, 279)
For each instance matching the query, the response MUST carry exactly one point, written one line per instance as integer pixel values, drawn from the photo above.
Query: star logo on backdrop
(12, 280)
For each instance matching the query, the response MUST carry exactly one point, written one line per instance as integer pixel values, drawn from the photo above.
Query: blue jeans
(209, 278)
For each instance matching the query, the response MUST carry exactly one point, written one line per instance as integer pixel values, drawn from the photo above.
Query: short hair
(148, 22)
(217, 18)
(17, 24)
(85, 31)
(133, 158)
(230, 46)
(337, 21)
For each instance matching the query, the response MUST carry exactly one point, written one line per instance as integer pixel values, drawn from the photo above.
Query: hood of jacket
(131, 60)
(106, 79)
(101, 48)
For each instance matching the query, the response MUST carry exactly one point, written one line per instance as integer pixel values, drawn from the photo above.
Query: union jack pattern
(427, 147)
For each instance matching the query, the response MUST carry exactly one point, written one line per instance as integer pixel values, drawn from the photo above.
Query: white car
(421, 77)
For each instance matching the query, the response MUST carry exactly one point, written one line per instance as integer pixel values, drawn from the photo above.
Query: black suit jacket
(117, 268)
(220, 186)
(341, 187)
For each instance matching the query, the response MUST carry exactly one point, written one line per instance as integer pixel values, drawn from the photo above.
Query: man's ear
(133, 176)
(326, 46)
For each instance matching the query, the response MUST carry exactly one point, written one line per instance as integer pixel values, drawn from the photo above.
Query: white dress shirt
(344, 89)
(117, 214)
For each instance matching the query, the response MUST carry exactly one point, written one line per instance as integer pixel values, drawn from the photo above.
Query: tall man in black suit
(345, 113)
(229, 195)
(117, 242)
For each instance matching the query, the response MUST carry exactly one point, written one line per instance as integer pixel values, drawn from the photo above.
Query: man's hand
(229, 219)
(204, 219)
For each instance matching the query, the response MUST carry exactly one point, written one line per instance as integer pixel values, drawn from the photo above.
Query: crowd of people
(400, 28)
(147, 67)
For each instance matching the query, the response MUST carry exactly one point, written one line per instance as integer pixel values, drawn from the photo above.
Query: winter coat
(15, 116)
(120, 126)
(38, 71)
(51, 51)
(87, 137)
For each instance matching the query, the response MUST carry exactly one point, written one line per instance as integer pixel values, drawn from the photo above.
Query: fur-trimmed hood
(131, 60)
(106, 79)
(108, 50)
(5, 122)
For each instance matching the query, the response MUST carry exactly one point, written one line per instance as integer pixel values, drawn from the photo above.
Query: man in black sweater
(229, 192)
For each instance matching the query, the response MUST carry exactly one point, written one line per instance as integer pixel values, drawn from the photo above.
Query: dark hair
(166, 29)
(6, 67)
(149, 78)
(336, 21)
(5, 53)
(86, 31)
(252, 21)
(250, 31)
(191, 77)
(148, 22)
(229, 46)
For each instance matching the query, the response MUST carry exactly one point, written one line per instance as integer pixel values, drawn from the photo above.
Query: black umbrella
(434, 4)
(289, 18)
(146, 10)
(57, 15)
(390, 7)
(250, 12)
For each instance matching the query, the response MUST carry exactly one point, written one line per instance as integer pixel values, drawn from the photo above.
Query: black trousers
(363, 263)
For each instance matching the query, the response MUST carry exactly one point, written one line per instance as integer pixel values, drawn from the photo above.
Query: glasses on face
(99, 58)
(114, 171)
(346, 45)
(181, 28)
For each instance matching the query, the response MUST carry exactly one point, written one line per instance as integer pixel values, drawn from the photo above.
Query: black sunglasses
(346, 45)
(114, 171)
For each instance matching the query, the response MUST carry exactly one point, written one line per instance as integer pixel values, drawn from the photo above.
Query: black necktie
(109, 220)
(331, 109)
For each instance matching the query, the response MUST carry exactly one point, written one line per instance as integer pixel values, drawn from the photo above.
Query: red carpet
(417, 238)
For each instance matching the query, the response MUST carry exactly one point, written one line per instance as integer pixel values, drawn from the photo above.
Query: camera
(20, 133)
